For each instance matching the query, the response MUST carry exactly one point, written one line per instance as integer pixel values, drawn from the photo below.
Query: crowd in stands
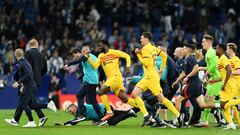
(60, 25)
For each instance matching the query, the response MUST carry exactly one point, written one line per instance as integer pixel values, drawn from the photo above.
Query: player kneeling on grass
(90, 114)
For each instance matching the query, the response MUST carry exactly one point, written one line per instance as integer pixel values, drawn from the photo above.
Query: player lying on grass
(90, 114)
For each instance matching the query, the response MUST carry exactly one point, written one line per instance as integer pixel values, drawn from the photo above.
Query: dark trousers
(119, 116)
(185, 111)
(89, 91)
(24, 102)
(34, 105)
(196, 115)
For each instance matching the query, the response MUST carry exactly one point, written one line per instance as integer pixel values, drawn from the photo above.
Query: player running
(213, 76)
(193, 90)
(229, 86)
(151, 77)
(235, 67)
(109, 60)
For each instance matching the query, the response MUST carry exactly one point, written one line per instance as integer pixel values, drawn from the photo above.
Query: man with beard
(109, 60)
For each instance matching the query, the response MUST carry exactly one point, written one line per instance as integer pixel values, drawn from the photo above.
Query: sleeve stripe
(159, 53)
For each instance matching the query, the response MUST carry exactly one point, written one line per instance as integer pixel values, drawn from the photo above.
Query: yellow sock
(141, 106)
(105, 102)
(232, 103)
(227, 115)
(236, 114)
(132, 102)
(170, 107)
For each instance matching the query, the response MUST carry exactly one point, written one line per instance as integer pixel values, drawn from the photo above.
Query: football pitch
(130, 126)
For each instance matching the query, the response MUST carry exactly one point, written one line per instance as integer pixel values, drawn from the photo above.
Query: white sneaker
(101, 123)
(201, 124)
(51, 105)
(30, 124)
(230, 126)
(11, 122)
(42, 121)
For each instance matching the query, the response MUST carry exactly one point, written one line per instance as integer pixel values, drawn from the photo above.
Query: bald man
(90, 83)
(37, 61)
(39, 67)
(178, 56)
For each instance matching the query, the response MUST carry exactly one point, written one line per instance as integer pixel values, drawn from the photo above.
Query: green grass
(129, 126)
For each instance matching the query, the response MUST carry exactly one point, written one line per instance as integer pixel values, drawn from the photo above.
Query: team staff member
(90, 114)
(90, 82)
(24, 76)
(193, 90)
(39, 67)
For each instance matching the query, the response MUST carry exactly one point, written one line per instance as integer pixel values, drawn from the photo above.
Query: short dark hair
(86, 44)
(191, 46)
(232, 46)
(223, 46)
(104, 41)
(76, 50)
(208, 37)
(148, 35)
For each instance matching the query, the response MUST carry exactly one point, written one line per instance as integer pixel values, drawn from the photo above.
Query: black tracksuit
(38, 63)
(39, 67)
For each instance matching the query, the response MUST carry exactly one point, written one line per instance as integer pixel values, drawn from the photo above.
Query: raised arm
(77, 61)
(143, 57)
(95, 64)
(123, 55)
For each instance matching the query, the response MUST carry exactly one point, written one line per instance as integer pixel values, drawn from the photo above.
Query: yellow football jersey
(147, 56)
(235, 64)
(223, 61)
(110, 62)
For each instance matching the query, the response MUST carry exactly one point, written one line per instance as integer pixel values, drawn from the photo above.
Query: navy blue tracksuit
(24, 76)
